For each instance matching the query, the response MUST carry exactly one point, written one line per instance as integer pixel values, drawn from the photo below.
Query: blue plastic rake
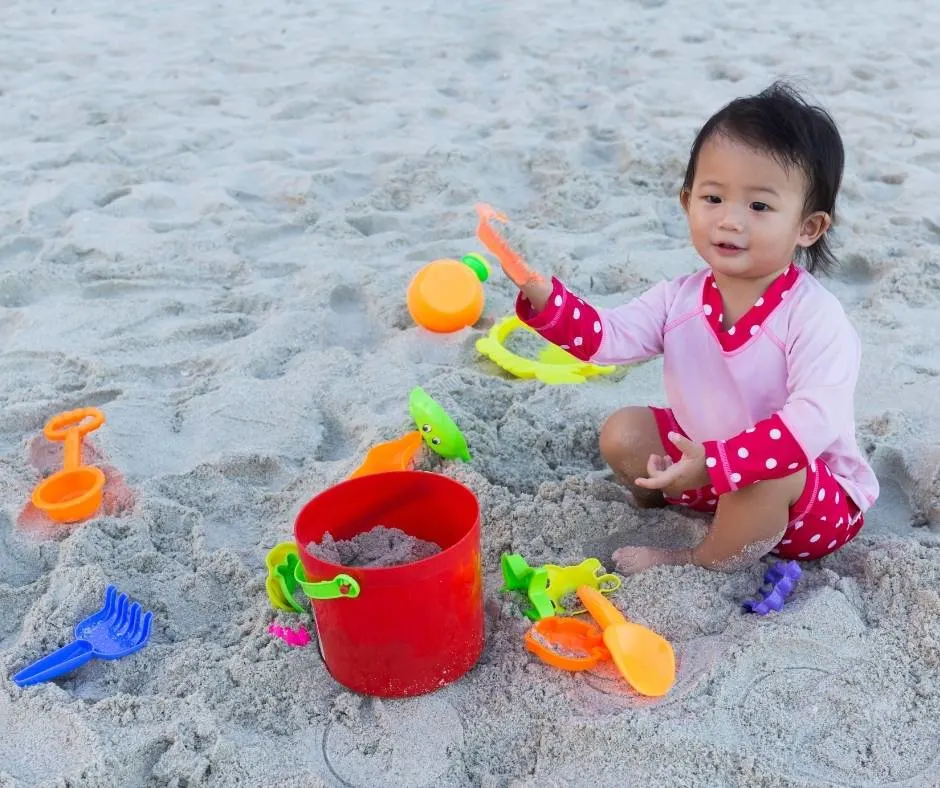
(118, 629)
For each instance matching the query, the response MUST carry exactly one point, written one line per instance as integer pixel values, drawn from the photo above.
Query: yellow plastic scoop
(645, 659)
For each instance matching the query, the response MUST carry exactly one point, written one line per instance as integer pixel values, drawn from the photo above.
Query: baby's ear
(814, 227)
(684, 196)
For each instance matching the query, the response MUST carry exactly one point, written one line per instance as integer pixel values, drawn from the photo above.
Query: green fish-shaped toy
(437, 428)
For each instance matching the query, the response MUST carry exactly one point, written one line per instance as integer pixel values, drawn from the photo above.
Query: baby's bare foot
(631, 560)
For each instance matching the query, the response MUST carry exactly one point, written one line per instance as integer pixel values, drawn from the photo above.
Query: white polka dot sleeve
(566, 320)
(767, 450)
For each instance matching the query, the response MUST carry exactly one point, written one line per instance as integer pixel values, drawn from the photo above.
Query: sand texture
(210, 213)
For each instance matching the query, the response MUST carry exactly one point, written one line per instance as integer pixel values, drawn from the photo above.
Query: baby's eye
(425, 427)
(712, 199)
(760, 207)
(436, 441)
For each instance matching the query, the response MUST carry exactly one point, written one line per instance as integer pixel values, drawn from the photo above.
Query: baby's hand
(674, 478)
(530, 282)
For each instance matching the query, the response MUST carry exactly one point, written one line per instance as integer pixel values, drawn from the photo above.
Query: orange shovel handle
(59, 427)
(600, 608)
(70, 427)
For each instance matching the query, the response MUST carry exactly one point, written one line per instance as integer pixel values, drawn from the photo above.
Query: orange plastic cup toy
(74, 493)
(447, 295)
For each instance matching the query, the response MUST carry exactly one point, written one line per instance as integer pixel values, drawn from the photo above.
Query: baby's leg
(748, 524)
(628, 438)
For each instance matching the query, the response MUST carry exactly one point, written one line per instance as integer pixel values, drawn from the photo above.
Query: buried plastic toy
(548, 587)
(440, 433)
(434, 428)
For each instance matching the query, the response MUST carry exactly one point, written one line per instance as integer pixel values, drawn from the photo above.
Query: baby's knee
(621, 433)
(611, 442)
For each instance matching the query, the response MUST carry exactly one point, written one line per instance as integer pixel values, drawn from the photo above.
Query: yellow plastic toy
(282, 560)
(565, 580)
(554, 365)
(546, 586)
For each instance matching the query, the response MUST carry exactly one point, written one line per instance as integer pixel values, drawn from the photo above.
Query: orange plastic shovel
(74, 493)
(645, 659)
(394, 455)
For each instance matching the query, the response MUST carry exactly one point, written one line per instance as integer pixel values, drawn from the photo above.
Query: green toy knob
(479, 265)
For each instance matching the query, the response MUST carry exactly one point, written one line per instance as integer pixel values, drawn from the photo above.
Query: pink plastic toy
(292, 637)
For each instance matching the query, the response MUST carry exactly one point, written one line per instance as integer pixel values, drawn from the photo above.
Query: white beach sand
(209, 214)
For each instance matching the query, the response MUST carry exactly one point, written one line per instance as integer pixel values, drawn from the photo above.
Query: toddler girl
(760, 361)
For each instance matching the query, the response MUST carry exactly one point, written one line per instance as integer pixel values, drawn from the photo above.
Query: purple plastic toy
(779, 582)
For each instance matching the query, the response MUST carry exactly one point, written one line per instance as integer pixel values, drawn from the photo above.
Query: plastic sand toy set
(389, 540)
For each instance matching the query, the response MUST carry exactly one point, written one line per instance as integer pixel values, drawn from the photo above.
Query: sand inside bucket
(377, 547)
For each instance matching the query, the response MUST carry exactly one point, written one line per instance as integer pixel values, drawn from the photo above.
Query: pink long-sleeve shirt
(786, 370)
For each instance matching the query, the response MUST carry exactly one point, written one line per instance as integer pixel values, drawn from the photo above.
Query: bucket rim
(377, 573)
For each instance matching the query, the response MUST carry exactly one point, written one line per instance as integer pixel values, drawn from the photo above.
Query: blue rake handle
(71, 656)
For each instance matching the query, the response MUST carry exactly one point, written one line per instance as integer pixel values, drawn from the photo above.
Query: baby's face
(745, 210)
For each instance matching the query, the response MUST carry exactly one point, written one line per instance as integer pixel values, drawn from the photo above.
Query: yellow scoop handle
(600, 608)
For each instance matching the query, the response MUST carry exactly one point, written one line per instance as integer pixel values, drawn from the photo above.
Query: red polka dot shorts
(820, 522)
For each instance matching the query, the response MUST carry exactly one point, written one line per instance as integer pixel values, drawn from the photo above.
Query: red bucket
(412, 628)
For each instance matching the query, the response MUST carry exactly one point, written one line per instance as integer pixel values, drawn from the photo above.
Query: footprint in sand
(337, 441)
(825, 715)
(605, 691)
(832, 730)
(351, 324)
(408, 742)
(882, 187)
(374, 224)
(19, 564)
(856, 268)
(273, 252)
(19, 254)
(907, 500)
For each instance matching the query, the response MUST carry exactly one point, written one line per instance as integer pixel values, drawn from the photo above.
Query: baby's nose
(732, 219)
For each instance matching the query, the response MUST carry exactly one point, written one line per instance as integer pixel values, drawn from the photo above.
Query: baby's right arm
(631, 332)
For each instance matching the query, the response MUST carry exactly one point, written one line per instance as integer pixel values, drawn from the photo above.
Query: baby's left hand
(674, 478)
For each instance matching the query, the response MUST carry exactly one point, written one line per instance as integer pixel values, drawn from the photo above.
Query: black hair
(782, 123)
